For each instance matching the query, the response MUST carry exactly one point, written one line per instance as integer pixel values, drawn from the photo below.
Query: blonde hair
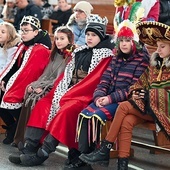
(11, 34)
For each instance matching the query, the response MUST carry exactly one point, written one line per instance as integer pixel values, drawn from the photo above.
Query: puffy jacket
(164, 15)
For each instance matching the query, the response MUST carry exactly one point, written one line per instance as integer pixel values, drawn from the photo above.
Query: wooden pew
(47, 24)
(1, 129)
(107, 10)
(161, 144)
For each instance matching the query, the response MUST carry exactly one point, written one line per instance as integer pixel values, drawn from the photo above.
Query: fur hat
(31, 20)
(11, 1)
(84, 6)
(97, 25)
(151, 31)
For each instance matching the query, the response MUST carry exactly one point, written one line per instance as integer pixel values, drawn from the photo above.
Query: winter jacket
(30, 9)
(164, 15)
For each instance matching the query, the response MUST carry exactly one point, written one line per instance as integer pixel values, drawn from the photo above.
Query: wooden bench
(102, 10)
(161, 144)
(1, 129)
(107, 10)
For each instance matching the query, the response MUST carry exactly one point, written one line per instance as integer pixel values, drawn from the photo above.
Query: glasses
(24, 31)
(78, 11)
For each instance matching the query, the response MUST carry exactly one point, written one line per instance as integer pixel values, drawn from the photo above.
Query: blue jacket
(30, 9)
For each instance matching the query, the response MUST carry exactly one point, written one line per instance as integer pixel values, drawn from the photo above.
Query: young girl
(60, 57)
(57, 112)
(149, 99)
(9, 39)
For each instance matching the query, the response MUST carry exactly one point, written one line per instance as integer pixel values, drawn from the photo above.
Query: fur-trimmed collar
(156, 61)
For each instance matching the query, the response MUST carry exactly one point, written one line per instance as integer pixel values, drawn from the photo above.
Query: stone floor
(142, 159)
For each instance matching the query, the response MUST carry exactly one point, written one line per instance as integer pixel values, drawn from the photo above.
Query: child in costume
(22, 70)
(58, 111)
(9, 40)
(59, 58)
(148, 99)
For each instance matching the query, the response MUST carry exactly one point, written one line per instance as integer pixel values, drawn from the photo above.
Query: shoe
(34, 159)
(79, 165)
(27, 149)
(122, 164)
(10, 132)
(73, 156)
(100, 156)
(7, 141)
(13, 144)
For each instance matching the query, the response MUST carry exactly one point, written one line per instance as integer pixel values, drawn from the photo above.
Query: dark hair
(70, 36)
(32, 26)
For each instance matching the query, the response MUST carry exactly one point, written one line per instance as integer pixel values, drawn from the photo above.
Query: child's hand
(102, 101)
(38, 90)
(30, 89)
(138, 94)
(2, 86)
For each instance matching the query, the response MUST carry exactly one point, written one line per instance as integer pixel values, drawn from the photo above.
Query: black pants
(84, 145)
(10, 117)
(33, 136)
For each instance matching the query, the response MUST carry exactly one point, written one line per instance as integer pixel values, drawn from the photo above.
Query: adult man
(26, 8)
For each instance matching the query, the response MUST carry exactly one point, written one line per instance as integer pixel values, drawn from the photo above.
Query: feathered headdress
(134, 13)
(126, 29)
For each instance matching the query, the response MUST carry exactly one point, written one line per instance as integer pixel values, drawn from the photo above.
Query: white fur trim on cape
(62, 88)
(13, 78)
(154, 61)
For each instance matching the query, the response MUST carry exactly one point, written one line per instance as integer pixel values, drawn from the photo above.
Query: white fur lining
(62, 88)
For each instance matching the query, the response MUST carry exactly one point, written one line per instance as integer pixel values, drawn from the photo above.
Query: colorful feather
(136, 12)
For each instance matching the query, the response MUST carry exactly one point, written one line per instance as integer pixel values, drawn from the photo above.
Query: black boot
(122, 164)
(100, 156)
(73, 162)
(34, 159)
(27, 149)
(73, 155)
(10, 132)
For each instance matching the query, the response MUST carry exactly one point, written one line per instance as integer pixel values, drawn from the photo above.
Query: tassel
(78, 128)
(89, 131)
(160, 73)
(93, 128)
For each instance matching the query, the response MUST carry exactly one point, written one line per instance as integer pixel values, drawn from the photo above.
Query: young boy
(27, 65)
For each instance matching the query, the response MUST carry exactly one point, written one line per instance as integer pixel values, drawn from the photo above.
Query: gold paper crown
(94, 18)
(31, 20)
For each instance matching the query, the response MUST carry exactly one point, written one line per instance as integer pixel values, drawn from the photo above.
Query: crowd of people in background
(84, 77)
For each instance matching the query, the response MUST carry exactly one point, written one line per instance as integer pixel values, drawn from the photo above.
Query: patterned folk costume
(156, 80)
